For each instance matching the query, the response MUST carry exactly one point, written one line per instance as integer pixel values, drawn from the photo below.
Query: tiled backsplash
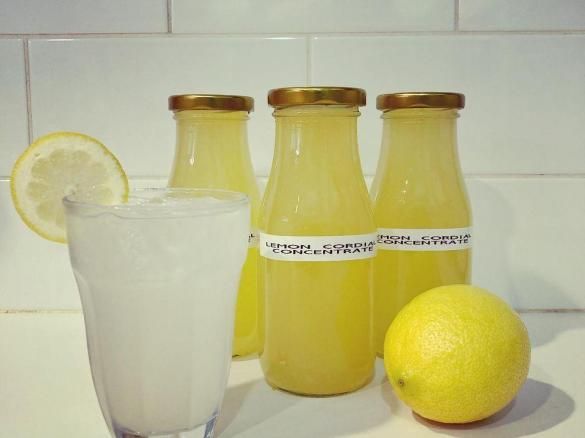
(83, 16)
(521, 15)
(106, 68)
(318, 16)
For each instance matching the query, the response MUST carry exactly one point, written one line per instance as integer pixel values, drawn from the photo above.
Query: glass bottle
(421, 207)
(212, 152)
(317, 242)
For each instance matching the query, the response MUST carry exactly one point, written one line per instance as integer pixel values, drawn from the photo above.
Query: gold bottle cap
(182, 102)
(389, 102)
(291, 96)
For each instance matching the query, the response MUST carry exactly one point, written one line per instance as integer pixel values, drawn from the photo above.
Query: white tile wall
(519, 116)
(522, 15)
(34, 273)
(13, 118)
(82, 16)
(117, 89)
(529, 239)
(253, 16)
(522, 135)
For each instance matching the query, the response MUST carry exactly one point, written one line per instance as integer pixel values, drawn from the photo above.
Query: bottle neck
(317, 140)
(207, 130)
(209, 144)
(421, 142)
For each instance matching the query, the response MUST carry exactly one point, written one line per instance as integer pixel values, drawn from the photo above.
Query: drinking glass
(158, 279)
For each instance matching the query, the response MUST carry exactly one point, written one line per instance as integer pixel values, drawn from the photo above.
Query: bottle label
(253, 238)
(317, 248)
(422, 239)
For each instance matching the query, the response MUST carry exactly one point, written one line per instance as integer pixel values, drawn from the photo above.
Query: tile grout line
(309, 60)
(79, 311)
(4, 178)
(413, 33)
(574, 175)
(39, 311)
(28, 89)
(169, 16)
(456, 17)
(551, 310)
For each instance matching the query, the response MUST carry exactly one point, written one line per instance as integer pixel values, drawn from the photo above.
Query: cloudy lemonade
(158, 289)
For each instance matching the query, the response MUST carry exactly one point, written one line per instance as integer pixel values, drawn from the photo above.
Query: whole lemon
(457, 354)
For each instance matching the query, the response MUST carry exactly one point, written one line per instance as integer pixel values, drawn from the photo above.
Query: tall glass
(158, 279)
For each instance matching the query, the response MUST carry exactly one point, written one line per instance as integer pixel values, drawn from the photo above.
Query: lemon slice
(61, 164)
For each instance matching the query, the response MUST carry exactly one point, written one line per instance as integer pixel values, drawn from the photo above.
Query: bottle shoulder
(411, 199)
(452, 212)
(300, 209)
(429, 186)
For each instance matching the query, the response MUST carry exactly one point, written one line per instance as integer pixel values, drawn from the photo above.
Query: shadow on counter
(255, 409)
(538, 407)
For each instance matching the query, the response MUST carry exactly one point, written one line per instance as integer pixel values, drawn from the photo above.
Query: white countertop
(46, 391)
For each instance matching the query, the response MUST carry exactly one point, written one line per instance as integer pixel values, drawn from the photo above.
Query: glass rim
(230, 201)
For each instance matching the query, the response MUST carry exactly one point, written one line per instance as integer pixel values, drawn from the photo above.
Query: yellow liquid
(418, 184)
(212, 152)
(317, 315)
